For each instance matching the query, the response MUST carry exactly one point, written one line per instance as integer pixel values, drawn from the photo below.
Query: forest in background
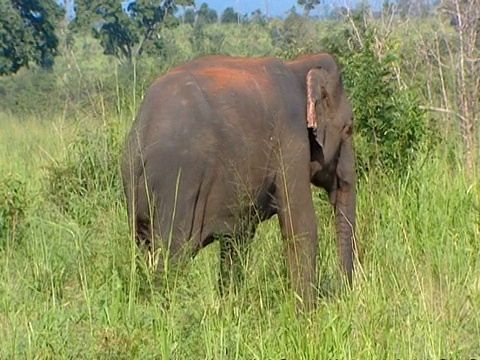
(70, 281)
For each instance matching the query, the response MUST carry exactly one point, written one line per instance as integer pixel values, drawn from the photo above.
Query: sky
(273, 8)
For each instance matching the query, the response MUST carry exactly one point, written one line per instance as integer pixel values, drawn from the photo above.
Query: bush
(388, 119)
(88, 177)
(13, 206)
(31, 91)
(390, 127)
(294, 36)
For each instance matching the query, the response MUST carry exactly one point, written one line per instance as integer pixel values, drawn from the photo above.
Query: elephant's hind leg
(234, 255)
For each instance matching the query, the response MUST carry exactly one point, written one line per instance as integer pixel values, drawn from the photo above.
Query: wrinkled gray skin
(222, 143)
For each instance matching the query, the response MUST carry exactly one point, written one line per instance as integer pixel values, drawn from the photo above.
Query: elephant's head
(329, 115)
(330, 120)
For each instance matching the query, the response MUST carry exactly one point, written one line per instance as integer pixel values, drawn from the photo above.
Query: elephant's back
(219, 88)
(211, 103)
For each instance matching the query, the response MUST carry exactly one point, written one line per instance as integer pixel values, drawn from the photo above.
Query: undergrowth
(87, 178)
(75, 288)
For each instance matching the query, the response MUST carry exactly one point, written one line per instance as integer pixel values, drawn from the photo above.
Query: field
(71, 284)
(71, 288)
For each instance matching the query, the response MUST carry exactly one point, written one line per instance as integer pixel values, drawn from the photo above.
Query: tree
(27, 33)
(126, 33)
(294, 36)
(229, 15)
(308, 5)
(189, 16)
(206, 15)
(258, 17)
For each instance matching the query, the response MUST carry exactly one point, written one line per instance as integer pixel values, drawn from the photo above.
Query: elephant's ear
(319, 95)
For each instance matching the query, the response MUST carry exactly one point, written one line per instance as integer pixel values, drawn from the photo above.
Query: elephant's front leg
(297, 221)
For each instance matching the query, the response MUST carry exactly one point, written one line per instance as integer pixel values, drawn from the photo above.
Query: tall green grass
(71, 288)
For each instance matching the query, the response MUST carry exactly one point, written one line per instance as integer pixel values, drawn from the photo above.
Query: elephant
(221, 143)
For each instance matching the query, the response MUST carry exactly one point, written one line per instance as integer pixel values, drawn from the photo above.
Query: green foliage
(389, 124)
(250, 39)
(205, 15)
(92, 87)
(13, 206)
(258, 18)
(37, 91)
(73, 290)
(229, 16)
(27, 33)
(388, 119)
(125, 34)
(87, 177)
(206, 42)
(308, 5)
(292, 50)
(189, 16)
(294, 36)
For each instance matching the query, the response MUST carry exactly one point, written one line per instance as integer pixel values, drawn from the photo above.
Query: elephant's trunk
(345, 218)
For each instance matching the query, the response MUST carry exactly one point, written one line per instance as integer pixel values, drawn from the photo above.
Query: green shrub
(87, 179)
(204, 42)
(388, 120)
(295, 35)
(390, 127)
(31, 91)
(13, 206)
